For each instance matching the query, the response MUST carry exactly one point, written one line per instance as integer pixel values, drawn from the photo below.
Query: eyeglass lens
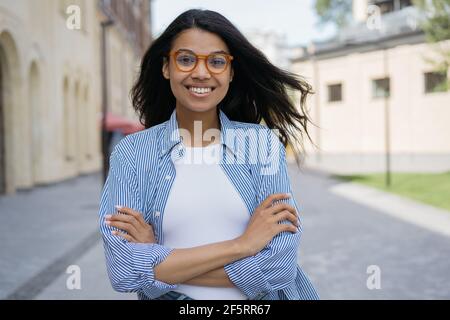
(186, 61)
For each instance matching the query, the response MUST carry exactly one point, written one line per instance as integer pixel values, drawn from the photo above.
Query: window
(387, 6)
(435, 82)
(381, 88)
(405, 3)
(335, 92)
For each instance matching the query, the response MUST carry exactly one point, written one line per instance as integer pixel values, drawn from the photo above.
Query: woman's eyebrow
(220, 51)
(189, 50)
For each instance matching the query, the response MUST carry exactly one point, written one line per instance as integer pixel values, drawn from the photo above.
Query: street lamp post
(387, 127)
(105, 144)
(317, 102)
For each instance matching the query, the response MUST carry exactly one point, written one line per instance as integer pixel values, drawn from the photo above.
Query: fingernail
(108, 216)
(108, 222)
(119, 207)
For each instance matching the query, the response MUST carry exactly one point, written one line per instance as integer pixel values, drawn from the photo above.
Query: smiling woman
(198, 87)
(176, 226)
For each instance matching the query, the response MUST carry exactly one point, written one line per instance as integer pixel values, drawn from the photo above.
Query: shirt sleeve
(274, 267)
(129, 265)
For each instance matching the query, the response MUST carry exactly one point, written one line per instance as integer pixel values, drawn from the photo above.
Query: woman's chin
(201, 107)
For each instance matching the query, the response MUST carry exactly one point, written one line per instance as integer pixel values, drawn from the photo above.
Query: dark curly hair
(259, 90)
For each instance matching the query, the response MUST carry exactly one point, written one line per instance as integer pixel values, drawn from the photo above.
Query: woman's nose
(201, 71)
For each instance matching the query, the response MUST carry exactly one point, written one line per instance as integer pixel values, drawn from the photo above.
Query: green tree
(338, 12)
(436, 25)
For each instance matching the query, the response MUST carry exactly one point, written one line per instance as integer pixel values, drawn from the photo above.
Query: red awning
(122, 124)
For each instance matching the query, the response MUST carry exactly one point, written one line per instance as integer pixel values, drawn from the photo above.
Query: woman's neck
(194, 124)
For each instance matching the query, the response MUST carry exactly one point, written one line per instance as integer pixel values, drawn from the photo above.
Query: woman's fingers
(281, 207)
(124, 236)
(286, 215)
(274, 197)
(128, 215)
(122, 218)
(124, 226)
(287, 227)
(132, 223)
(289, 213)
(132, 213)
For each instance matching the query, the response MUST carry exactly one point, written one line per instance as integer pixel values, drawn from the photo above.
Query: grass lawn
(433, 189)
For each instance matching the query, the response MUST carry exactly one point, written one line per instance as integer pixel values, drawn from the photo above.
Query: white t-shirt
(203, 207)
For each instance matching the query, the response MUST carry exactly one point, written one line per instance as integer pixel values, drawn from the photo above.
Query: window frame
(329, 92)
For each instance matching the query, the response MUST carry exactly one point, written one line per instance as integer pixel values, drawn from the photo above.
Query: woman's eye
(186, 59)
(218, 61)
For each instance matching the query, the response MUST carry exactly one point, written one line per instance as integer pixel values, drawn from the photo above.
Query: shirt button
(168, 177)
(157, 214)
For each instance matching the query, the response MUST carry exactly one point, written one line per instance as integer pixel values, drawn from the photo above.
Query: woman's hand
(264, 224)
(132, 222)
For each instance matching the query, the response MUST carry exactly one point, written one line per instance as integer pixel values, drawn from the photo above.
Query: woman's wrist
(241, 248)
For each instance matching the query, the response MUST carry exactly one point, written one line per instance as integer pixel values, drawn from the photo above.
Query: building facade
(379, 97)
(50, 84)
(274, 46)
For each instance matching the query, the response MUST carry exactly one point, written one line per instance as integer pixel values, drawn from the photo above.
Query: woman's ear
(165, 68)
(231, 74)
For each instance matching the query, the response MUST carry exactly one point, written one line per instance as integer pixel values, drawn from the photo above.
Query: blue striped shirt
(140, 177)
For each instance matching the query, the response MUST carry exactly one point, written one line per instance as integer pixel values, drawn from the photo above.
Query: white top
(203, 207)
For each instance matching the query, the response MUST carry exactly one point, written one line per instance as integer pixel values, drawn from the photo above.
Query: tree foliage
(437, 22)
(338, 12)
(436, 25)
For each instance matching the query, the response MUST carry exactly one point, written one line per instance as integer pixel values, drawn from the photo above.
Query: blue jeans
(173, 295)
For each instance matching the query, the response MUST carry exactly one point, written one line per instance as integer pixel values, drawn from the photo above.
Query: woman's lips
(200, 92)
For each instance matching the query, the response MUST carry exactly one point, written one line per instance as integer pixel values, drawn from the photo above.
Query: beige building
(51, 88)
(377, 94)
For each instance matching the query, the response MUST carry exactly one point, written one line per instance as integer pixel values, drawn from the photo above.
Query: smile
(200, 91)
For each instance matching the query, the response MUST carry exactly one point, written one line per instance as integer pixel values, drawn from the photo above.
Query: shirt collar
(171, 135)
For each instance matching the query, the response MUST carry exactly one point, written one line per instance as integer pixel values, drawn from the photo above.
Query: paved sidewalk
(94, 281)
(43, 232)
(346, 230)
(343, 237)
(417, 213)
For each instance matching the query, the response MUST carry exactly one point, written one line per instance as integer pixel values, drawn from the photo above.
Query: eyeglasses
(186, 61)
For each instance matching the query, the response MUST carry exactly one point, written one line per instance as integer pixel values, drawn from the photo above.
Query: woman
(209, 170)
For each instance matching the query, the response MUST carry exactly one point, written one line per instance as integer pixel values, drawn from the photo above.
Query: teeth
(200, 90)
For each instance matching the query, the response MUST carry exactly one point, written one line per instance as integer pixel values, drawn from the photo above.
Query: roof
(392, 29)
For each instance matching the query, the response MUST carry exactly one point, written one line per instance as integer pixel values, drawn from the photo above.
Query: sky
(295, 19)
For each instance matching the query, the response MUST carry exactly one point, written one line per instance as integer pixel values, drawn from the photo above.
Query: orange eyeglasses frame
(199, 57)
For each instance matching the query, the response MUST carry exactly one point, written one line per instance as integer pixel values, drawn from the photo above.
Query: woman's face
(198, 90)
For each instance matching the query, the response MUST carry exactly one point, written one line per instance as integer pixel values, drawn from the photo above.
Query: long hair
(259, 90)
